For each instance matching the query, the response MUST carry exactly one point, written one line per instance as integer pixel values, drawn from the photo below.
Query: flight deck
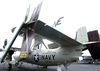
(80, 66)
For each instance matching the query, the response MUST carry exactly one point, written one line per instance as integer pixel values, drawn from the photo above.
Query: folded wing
(54, 35)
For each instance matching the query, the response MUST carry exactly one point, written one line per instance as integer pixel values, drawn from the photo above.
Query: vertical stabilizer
(93, 36)
(81, 35)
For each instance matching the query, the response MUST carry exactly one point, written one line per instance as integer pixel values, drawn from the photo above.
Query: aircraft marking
(38, 57)
(23, 54)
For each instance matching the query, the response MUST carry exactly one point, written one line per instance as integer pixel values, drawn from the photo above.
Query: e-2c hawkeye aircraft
(64, 50)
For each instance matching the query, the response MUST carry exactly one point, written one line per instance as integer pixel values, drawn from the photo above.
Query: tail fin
(93, 36)
(81, 35)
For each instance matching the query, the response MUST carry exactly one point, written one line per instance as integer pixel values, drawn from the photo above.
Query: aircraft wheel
(44, 66)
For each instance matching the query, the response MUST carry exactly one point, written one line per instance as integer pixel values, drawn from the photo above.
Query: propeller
(28, 33)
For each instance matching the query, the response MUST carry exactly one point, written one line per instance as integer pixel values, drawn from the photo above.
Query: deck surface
(73, 67)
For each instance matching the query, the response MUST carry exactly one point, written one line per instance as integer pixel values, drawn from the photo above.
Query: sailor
(8, 57)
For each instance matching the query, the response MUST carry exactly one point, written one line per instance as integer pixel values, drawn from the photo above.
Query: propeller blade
(26, 44)
(27, 13)
(35, 13)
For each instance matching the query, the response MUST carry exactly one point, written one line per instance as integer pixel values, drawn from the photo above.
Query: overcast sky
(76, 13)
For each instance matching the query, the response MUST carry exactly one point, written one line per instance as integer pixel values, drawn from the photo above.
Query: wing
(54, 35)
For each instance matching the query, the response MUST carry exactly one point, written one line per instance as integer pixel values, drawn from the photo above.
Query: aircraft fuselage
(50, 57)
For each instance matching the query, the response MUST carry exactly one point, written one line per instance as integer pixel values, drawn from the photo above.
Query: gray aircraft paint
(54, 56)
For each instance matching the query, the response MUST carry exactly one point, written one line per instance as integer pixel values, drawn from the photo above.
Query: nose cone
(16, 55)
